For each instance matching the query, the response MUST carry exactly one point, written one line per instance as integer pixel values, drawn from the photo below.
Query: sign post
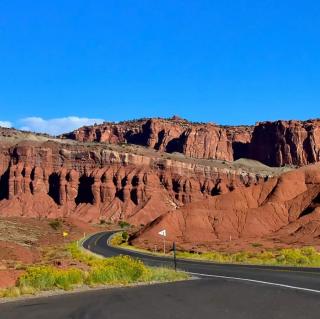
(174, 256)
(163, 233)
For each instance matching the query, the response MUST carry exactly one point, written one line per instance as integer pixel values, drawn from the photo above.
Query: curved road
(223, 292)
(304, 279)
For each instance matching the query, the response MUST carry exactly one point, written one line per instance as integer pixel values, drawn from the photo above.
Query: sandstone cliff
(284, 209)
(42, 177)
(278, 143)
(286, 143)
(200, 201)
(196, 140)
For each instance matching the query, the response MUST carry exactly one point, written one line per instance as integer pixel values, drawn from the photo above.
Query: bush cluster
(123, 224)
(119, 238)
(117, 270)
(303, 257)
(55, 224)
(100, 271)
(47, 277)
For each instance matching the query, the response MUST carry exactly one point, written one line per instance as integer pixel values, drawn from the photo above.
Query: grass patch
(11, 292)
(296, 257)
(120, 240)
(161, 274)
(47, 277)
(119, 270)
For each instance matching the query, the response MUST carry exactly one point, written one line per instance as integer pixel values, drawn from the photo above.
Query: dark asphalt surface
(200, 298)
(304, 277)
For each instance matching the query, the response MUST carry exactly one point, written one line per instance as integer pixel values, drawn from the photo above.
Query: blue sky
(68, 63)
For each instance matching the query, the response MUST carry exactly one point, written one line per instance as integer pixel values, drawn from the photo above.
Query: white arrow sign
(163, 233)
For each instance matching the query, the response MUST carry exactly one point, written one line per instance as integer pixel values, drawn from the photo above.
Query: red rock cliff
(273, 143)
(94, 182)
(172, 135)
(286, 143)
(282, 210)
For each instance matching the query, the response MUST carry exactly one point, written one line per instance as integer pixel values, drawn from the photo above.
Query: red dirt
(202, 201)
(16, 253)
(8, 278)
(27, 241)
(282, 211)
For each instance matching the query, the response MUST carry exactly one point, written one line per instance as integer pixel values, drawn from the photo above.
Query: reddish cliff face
(172, 135)
(285, 209)
(286, 143)
(198, 200)
(273, 143)
(96, 182)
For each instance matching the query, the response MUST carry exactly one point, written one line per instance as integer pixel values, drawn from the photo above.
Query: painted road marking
(99, 237)
(228, 277)
(256, 281)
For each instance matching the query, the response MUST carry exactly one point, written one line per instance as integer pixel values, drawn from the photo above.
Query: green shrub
(160, 274)
(123, 224)
(12, 292)
(125, 236)
(114, 270)
(38, 277)
(48, 277)
(78, 255)
(55, 224)
(25, 290)
(116, 239)
(117, 270)
(307, 256)
(241, 257)
(66, 279)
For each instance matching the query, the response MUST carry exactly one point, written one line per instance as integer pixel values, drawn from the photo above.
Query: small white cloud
(56, 126)
(5, 124)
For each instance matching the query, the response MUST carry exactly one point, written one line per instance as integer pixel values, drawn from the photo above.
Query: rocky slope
(272, 143)
(45, 177)
(199, 201)
(284, 209)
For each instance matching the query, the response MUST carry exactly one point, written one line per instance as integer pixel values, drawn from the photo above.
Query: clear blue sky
(229, 61)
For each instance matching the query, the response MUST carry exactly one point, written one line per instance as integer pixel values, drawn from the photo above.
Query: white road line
(236, 278)
(256, 281)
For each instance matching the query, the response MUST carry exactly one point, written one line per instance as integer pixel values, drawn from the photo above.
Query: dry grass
(296, 257)
(19, 233)
(120, 270)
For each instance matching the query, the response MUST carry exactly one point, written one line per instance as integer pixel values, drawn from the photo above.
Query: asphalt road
(243, 296)
(303, 278)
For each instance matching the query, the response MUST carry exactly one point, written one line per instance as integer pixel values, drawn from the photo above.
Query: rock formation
(180, 179)
(286, 143)
(53, 178)
(284, 208)
(196, 140)
(278, 143)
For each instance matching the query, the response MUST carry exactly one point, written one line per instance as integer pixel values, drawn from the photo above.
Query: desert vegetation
(296, 257)
(90, 271)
